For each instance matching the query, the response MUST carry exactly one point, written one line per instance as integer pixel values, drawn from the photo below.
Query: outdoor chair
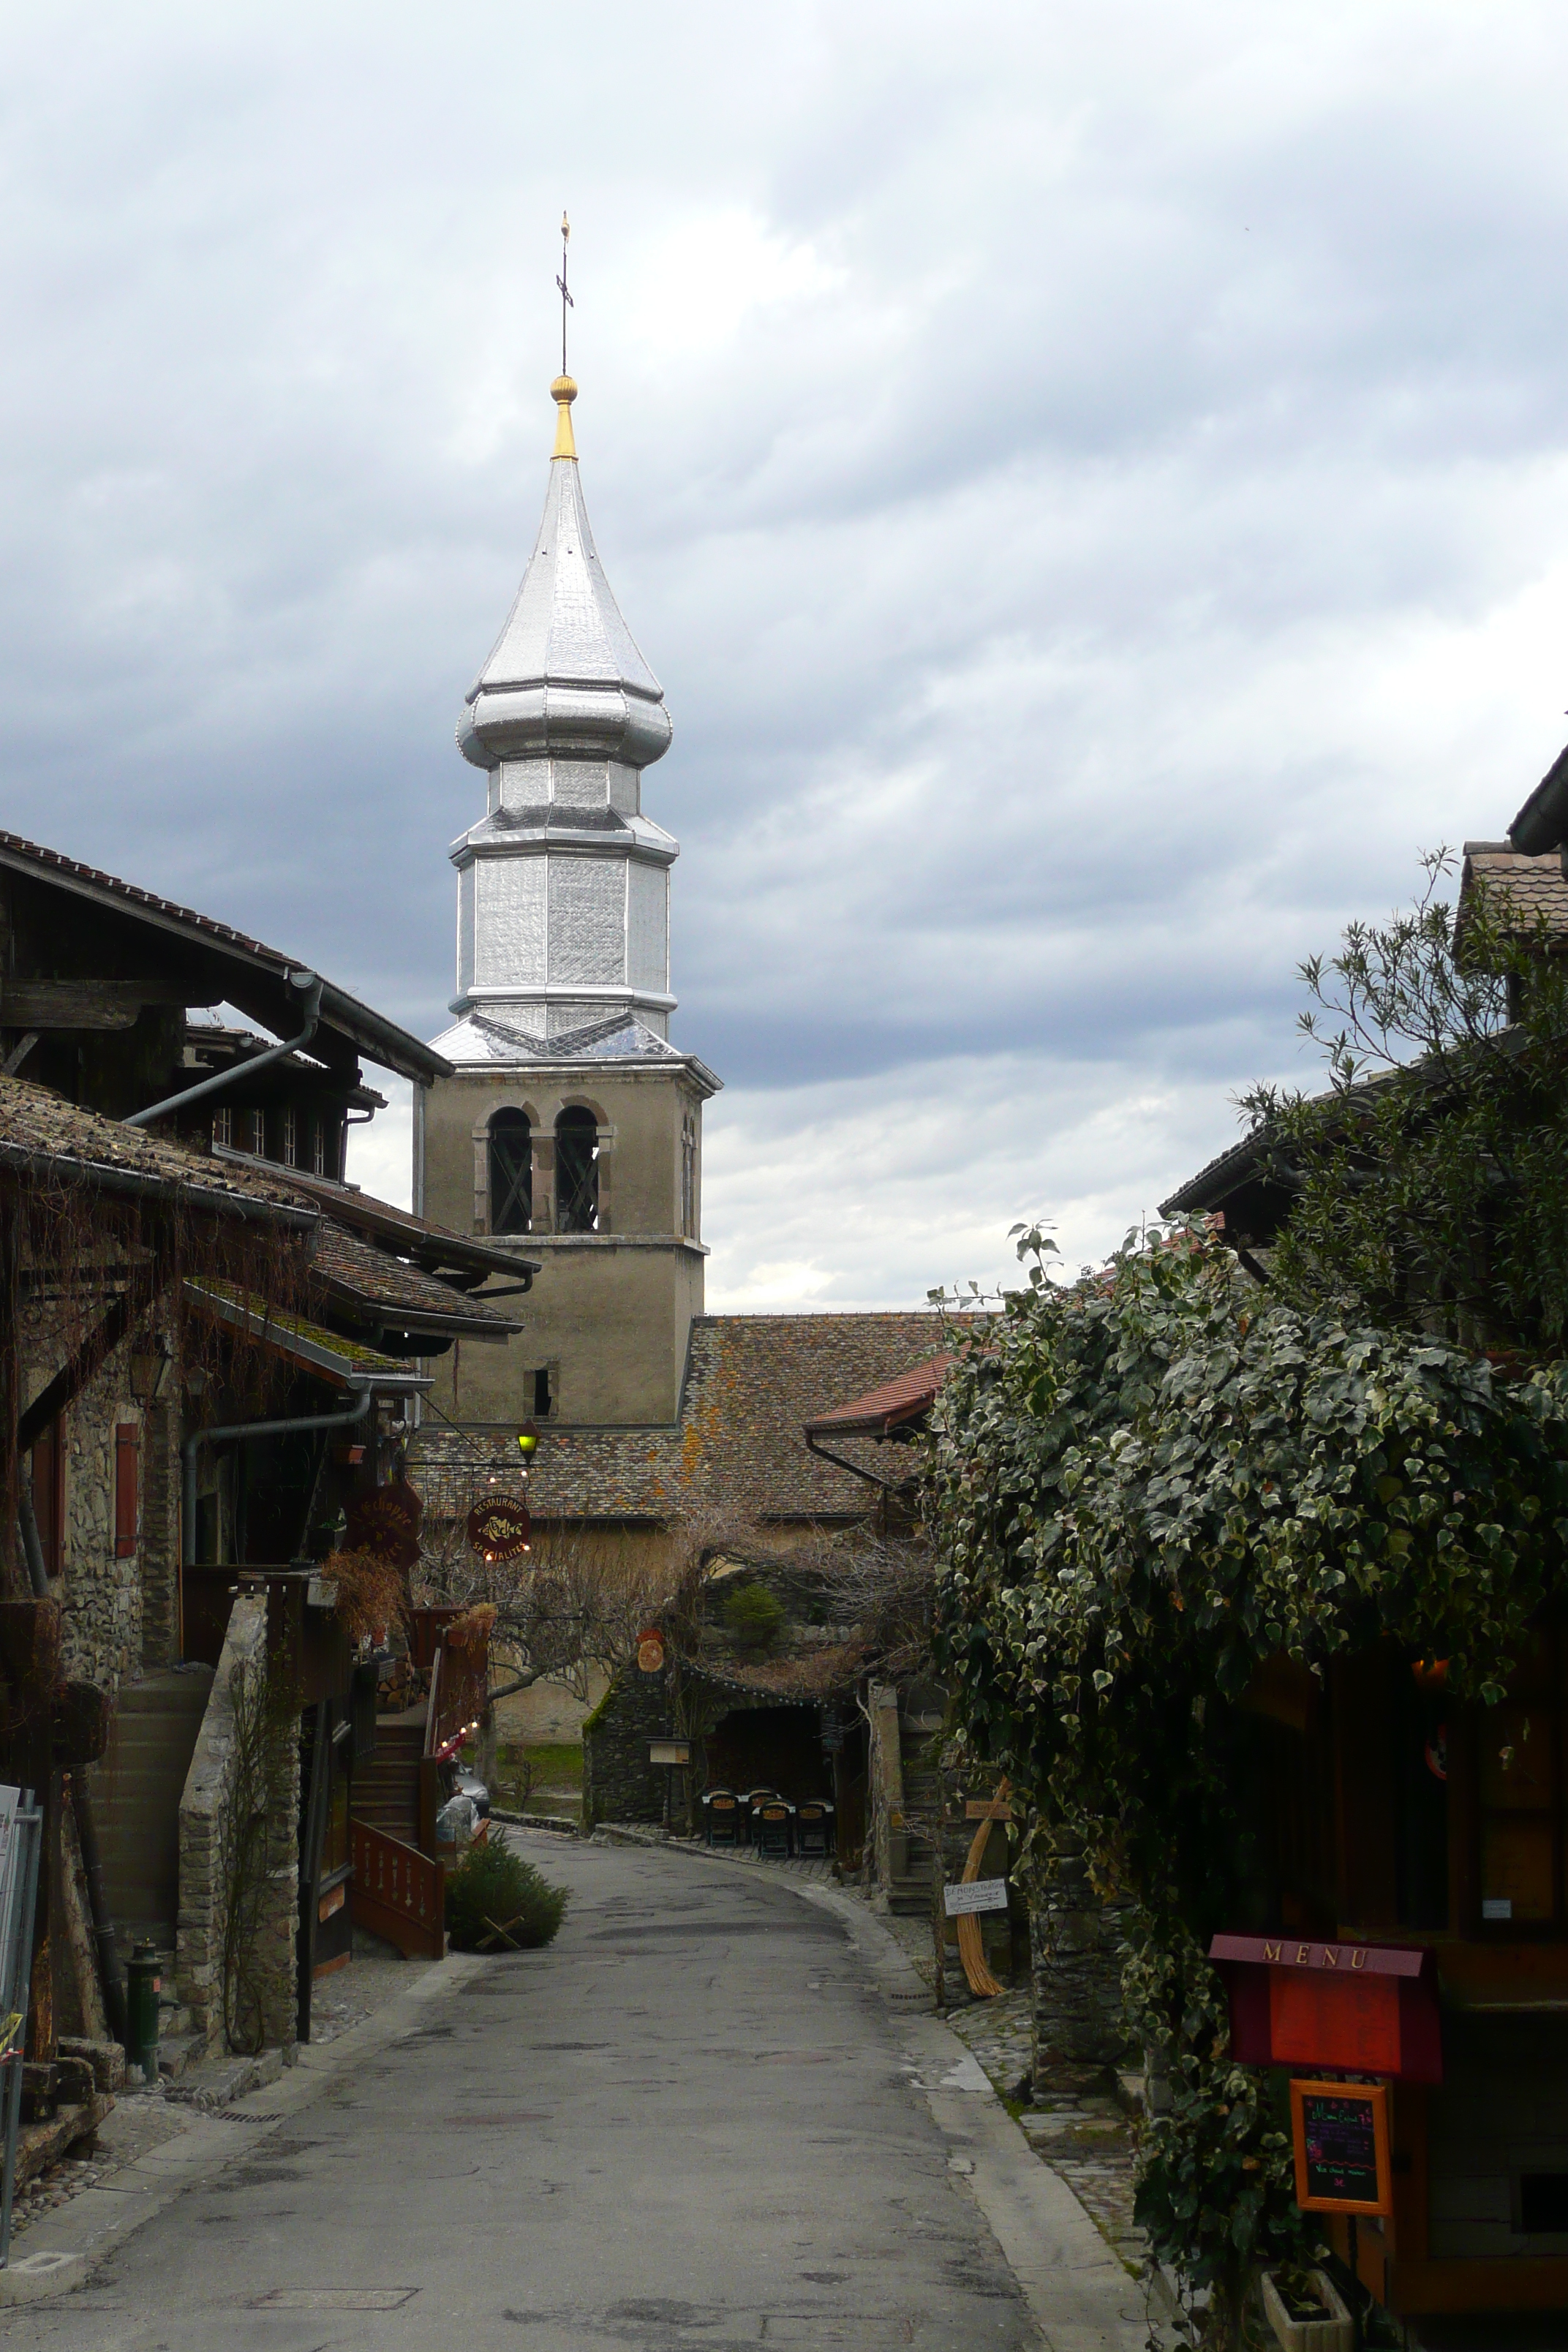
(721, 1816)
(773, 1828)
(813, 1828)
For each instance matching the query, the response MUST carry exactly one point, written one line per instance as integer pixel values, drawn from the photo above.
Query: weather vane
(566, 301)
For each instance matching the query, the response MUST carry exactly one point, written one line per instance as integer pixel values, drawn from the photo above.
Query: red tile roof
(1529, 886)
(890, 1407)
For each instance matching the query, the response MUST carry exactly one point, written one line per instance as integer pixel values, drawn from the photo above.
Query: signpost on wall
(975, 1895)
(21, 1839)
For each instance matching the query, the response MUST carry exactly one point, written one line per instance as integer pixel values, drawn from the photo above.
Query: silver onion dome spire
(563, 884)
(565, 675)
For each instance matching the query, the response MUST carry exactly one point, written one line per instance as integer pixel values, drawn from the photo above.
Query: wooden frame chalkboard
(1341, 2135)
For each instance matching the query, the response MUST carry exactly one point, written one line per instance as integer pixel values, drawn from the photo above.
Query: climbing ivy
(1144, 1486)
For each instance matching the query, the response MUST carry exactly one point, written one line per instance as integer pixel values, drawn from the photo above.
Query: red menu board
(1369, 2009)
(1331, 2021)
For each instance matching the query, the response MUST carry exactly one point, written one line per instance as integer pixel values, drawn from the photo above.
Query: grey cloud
(1076, 597)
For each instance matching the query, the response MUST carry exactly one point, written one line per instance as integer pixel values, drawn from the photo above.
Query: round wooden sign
(650, 1651)
(500, 1528)
(385, 1523)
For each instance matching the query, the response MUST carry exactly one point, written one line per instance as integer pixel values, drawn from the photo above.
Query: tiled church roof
(752, 1382)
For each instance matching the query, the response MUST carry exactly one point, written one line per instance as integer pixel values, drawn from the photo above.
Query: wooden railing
(398, 1893)
(459, 1691)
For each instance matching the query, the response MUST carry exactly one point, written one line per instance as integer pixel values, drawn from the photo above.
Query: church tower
(572, 1126)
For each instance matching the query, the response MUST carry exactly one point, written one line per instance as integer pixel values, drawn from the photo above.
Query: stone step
(137, 1790)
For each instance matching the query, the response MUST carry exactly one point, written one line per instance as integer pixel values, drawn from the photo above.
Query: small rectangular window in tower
(127, 1488)
(290, 1137)
(542, 1393)
(223, 1127)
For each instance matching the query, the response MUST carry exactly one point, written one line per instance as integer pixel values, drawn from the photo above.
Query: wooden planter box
(1332, 2333)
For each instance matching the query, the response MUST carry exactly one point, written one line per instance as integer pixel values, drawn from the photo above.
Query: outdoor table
(750, 1801)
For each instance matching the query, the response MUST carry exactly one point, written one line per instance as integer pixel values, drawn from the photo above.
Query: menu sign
(1341, 2134)
(1345, 2021)
(1316, 2006)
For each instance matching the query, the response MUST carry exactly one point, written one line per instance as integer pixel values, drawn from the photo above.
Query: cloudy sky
(1092, 481)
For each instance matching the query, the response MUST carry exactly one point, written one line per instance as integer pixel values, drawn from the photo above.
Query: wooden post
(939, 1913)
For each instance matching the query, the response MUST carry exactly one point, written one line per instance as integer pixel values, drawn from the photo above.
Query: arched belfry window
(511, 1172)
(577, 1171)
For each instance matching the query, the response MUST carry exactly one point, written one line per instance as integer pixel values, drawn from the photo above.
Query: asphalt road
(692, 2125)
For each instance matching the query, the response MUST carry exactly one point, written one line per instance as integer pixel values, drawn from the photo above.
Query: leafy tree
(1430, 1183)
(1142, 1486)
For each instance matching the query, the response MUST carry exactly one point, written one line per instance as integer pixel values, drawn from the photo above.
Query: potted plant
(1306, 2311)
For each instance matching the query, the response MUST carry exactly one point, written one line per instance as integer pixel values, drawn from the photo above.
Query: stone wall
(227, 1782)
(160, 1548)
(101, 1596)
(619, 1784)
(1076, 1956)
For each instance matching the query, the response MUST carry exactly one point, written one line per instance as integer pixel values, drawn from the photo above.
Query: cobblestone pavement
(138, 2122)
(1086, 2140)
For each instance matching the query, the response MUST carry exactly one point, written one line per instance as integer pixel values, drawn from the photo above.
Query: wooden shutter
(127, 1488)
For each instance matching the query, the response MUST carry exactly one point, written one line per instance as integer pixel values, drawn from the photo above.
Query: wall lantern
(149, 1369)
(527, 1440)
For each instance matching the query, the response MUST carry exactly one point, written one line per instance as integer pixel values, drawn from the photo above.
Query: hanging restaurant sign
(1371, 2008)
(500, 1528)
(385, 1522)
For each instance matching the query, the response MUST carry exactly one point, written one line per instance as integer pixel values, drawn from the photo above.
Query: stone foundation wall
(209, 1806)
(619, 1784)
(100, 1595)
(160, 1550)
(1076, 1955)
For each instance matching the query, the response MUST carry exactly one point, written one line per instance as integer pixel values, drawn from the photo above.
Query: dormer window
(223, 1127)
(319, 1147)
(257, 1144)
(290, 1137)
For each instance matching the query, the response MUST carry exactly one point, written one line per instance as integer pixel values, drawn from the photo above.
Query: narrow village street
(702, 2118)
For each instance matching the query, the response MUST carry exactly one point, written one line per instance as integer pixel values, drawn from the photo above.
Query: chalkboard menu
(1341, 2132)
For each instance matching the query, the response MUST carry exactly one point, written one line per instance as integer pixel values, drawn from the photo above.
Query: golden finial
(563, 392)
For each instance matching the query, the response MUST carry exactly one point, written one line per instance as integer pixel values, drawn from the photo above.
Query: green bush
(496, 1902)
(754, 1616)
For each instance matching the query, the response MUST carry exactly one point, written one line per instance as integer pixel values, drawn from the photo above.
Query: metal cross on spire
(566, 301)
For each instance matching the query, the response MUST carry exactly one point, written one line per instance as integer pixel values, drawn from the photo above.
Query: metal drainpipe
(311, 988)
(248, 1429)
